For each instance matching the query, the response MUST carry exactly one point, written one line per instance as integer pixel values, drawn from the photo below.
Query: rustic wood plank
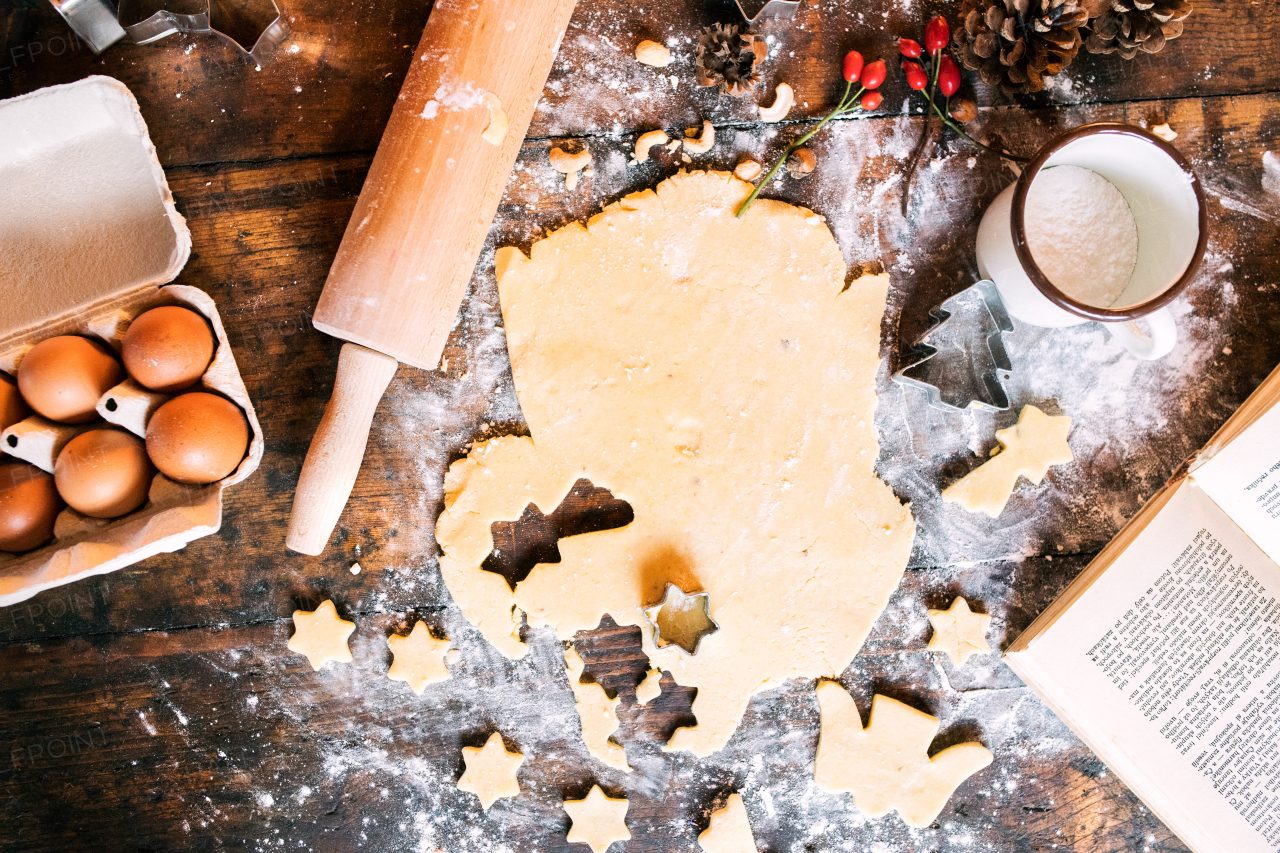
(330, 88)
(201, 739)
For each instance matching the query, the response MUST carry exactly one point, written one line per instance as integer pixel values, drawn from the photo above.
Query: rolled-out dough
(715, 373)
(597, 713)
(729, 831)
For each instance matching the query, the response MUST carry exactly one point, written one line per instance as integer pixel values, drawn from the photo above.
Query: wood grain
(179, 720)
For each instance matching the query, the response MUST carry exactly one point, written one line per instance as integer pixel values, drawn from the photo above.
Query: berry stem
(946, 119)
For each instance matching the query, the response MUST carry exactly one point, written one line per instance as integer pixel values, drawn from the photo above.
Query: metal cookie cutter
(967, 331)
(256, 23)
(771, 9)
(693, 609)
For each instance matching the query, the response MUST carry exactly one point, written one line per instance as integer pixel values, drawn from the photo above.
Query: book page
(1170, 666)
(1244, 479)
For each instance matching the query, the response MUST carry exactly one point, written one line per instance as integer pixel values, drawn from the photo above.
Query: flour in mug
(1081, 233)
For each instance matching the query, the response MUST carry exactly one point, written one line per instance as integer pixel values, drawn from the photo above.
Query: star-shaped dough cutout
(730, 831)
(321, 635)
(491, 771)
(886, 766)
(597, 821)
(597, 713)
(682, 619)
(419, 658)
(1028, 448)
(959, 632)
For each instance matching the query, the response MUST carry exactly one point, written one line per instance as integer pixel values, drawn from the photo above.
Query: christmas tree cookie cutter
(784, 9)
(959, 361)
(257, 23)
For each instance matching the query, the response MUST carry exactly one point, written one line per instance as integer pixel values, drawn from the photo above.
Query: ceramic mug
(1168, 206)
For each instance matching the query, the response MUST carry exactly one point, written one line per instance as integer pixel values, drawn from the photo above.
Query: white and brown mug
(1168, 206)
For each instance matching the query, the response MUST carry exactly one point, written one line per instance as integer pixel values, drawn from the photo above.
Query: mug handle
(1150, 345)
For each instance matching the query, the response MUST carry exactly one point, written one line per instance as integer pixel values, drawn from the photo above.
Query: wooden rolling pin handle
(338, 448)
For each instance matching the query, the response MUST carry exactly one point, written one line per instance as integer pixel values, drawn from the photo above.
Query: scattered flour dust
(1082, 234)
(1271, 173)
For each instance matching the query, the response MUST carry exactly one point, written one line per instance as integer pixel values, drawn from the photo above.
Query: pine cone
(1015, 44)
(1129, 26)
(728, 59)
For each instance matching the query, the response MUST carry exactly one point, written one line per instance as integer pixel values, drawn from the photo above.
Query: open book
(1164, 654)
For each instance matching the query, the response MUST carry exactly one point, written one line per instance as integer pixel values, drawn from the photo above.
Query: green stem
(844, 106)
(999, 151)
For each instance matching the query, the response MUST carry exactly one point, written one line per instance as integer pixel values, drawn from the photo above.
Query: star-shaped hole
(520, 545)
(682, 619)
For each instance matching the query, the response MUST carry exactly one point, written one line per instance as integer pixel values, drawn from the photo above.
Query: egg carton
(92, 238)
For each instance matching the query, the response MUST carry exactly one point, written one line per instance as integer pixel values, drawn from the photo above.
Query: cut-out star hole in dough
(520, 545)
(598, 713)
(1029, 447)
(418, 658)
(491, 771)
(886, 766)
(321, 635)
(598, 821)
(719, 375)
(730, 831)
(959, 632)
(682, 619)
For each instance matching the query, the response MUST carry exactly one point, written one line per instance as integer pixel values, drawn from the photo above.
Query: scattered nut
(647, 141)
(652, 53)
(497, 129)
(963, 110)
(782, 101)
(748, 170)
(569, 164)
(673, 146)
(801, 163)
(1165, 132)
(703, 143)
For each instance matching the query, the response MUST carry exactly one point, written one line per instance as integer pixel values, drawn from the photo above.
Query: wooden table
(157, 708)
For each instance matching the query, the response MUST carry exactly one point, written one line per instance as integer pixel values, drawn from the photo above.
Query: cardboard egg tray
(89, 239)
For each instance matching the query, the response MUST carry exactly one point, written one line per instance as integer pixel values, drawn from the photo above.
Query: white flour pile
(1082, 234)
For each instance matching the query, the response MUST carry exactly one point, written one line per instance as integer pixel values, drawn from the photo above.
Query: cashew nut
(782, 101)
(801, 163)
(569, 164)
(1165, 132)
(702, 144)
(497, 129)
(647, 141)
(748, 170)
(652, 53)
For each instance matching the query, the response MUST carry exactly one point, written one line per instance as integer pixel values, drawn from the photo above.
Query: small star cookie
(959, 631)
(321, 635)
(419, 658)
(730, 831)
(1029, 447)
(491, 771)
(598, 821)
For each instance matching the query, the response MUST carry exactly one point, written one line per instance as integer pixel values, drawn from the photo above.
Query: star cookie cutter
(784, 9)
(257, 23)
(971, 324)
(683, 607)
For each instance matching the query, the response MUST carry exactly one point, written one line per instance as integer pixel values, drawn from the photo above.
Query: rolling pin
(411, 245)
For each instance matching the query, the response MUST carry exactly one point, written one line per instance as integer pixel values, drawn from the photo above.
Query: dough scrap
(418, 658)
(491, 771)
(597, 821)
(730, 831)
(959, 632)
(716, 374)
(650, 688)
(598, 713)
(886, 766)
(321, 635)
(1028, 448)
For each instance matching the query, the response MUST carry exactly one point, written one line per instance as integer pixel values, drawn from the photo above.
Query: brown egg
(168, 349)
(29, 504)
(197, 437)
(12, 407)
(63, 377)
(104, 473)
